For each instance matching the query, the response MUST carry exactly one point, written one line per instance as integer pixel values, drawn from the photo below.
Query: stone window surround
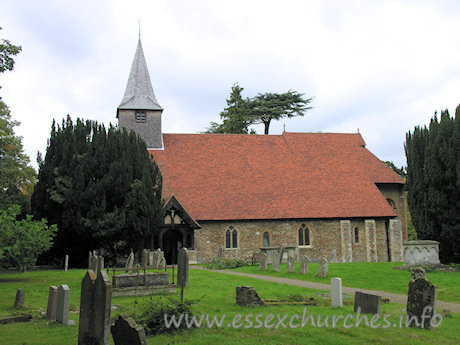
(354, 237)
(269, 238)
(307, 226)
(230, 230)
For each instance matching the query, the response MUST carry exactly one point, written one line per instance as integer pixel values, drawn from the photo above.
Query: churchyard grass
(214, 294)
(366, 275)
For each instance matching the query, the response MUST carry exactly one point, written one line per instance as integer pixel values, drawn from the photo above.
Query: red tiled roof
(293, 175)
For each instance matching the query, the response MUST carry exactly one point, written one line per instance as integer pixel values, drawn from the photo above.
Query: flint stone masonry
(303, 264)
(52, 303)
(148, 279)
(336, 293)
(422, 293)
(371, 242)
(62, 308)
(126, 332)
(345, 233)
(19, 300)
(369, 304)
(247, 296)
(323, 268)
(220, 252)
(421, 253)
(395, 239)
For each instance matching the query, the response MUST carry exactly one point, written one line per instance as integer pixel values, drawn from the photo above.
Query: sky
(380, 67)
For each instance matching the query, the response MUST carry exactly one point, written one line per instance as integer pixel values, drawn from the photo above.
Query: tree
(100, 187)
(17, 177)
(433, 182)
(263, 108)
(400, 171)
(267, 107)
(21, 241)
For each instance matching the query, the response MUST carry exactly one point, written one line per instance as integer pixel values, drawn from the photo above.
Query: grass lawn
(214, 294)
(374, 276)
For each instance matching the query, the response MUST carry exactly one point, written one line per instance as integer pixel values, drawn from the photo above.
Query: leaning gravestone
(19, 300)
(291, 264)
(52, 303)
(323, 268)
(369, 304)
(62, 307)
(263, 261)
(182, 267)
(247, 296)
(275, 262)
(66, 263)
(95, 303)
(220, 252)
(303, 264)
(130, 262)
(422, 294)
(126, 332)
(336, 293)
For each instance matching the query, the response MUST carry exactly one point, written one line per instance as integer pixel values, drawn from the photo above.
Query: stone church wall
(325, 236)
(395, 192)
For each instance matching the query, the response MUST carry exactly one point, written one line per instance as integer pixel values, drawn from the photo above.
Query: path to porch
(393, 297)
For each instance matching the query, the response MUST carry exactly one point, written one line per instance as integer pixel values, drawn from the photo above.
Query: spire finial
(139, 21)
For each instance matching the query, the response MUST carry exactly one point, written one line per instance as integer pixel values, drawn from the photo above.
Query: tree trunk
(267, 125)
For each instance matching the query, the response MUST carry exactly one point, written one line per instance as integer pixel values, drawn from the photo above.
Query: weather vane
(139, 21)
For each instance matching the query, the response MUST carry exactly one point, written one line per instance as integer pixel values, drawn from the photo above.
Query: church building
(314, 192)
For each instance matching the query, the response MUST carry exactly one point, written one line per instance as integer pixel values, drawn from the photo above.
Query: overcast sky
(380, 66)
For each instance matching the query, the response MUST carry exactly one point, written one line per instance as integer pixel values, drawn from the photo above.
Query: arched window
(356, 235)
(231, 238)
(266, 239)
(304, 235)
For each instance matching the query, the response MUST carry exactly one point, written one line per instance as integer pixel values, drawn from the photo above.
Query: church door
(172, 242)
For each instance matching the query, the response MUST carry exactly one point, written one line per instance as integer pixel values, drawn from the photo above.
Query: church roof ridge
(139, 93)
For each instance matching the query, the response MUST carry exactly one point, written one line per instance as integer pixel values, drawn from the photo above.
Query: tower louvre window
(141, 116)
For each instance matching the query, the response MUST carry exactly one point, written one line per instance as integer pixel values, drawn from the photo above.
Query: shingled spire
(139, 109)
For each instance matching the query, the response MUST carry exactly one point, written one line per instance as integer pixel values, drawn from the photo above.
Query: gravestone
(263, 261)
(19, 300)
(159, 256)
(52, 303)
(129, 262)
(281, 253)
(336, 293)
(126, 332)
(220, 252)
(303, 264)
(247, 296)
(145, 257)
(151, 255)
(93, 265)
(162, 263)
(62, 305)
(100, 264)
(291, 264)
(95, 303)
(66, 263)
(422, 294)
(182, 267)
(323, 268)
(369, 304)
(333, 257)
(275, 262)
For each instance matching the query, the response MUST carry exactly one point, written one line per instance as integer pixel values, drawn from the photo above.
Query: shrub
(221, 264)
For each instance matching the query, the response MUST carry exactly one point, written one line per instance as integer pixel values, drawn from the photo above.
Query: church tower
(139, 109)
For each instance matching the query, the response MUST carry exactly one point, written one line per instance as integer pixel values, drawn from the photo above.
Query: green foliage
(433, 182)
(263, 108)
(222, 264)
(7, 51)
(21, 241)
(400, 171)
(153, 316)
(101, 188)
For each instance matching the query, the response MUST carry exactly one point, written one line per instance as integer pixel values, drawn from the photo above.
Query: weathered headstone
(130, 262)
(95, 303)
(158, 257)
(336, 293)
(303, 264)
(145, 257)
(100, 264)
(275, 262)
(162, 263)
(52, 303)
(19, 300)
(280, 254)
(323, 268)
(421, 299)
(62, 306)
(151, 255)
(66, 263)
(333, 257)
(263, 261)
(90, 255)
(182, 267)
(369, 304)
(93, 265)
(126, 332)
(291, 264)
(220, 252)
(247, 296)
